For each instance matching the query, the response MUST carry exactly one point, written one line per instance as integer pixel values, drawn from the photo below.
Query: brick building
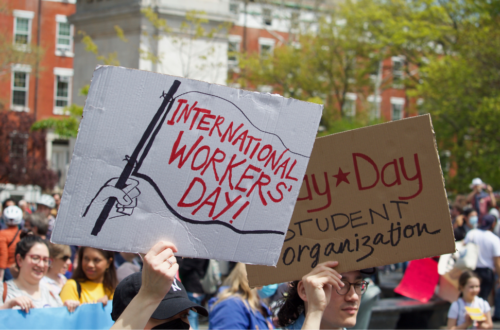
(261, 27)
(42, 23)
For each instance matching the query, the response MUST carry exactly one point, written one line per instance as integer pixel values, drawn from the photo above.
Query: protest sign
(86, 316)
(370, 197)
(420, 280)
(213, 169)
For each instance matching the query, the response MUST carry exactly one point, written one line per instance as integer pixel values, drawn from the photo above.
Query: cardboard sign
(475, 313)
(372, 196)
(213, 169)
(420, 280)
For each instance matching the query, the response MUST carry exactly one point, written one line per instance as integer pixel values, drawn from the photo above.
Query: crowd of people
(161, 291)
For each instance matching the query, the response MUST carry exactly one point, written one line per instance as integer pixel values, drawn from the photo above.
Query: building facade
(41, 88)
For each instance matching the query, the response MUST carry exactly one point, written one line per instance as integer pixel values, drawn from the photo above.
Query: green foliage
(66, 126)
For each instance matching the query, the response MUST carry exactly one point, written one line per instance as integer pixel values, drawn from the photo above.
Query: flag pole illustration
(132, 160)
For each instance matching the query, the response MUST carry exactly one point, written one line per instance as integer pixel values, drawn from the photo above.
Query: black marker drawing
(124, 191)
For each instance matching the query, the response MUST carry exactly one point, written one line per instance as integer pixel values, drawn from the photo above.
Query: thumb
(110, 191)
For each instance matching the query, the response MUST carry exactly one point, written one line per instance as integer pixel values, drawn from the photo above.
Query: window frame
(233, 39)
(267, 16)
(66, 73)
(20, 68)
(65, 50)
(266, 42)
(398, 74)
(397, 101)
(22, 14)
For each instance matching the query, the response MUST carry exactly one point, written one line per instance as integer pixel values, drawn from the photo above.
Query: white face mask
(473, 221)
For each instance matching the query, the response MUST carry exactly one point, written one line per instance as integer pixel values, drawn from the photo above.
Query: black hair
(25, 245)
(110, 280)
(6, 201)
(464, 278)
(468, 210)
(292, 306)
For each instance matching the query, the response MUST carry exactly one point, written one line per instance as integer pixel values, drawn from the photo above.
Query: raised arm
(158, 273)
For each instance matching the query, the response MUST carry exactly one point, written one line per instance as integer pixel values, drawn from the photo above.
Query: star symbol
(341, 176)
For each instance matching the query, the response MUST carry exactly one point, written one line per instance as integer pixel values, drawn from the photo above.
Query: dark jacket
(191, 272)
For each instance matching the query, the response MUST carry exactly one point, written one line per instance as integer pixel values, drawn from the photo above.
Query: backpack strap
(79, 289)
(15, 236)
(4, 296)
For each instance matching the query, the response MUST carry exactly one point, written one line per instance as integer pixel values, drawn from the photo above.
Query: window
(64, 37)
(233, 48)
(20, 86)
(62, 97)
(18, 145)
(349, 106)
(397, 72)
(22, 27)
(397, 104)
(294, 20)
(22, 31)
(234, 8)
(267, 16)
(266, 46)
(374, 106)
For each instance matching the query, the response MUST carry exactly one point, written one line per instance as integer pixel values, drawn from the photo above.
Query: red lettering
(214, 160)
(207, 201)
(181, 102)
(255, 149)
(203, 122)
(266, 147)
(277, 200)
(273, 157)
(290, 170)
(326, 192)
(396, 171)
(229, 132)
(229, 169)
(356, 169)
(219, 121)
(261, 184)
(198, 110)
(181, 202)
(186, 112)
(283, 166)
(250, 139)
(229, 203)
(309, 193)
(196, 168)
(240, 210)
(418, 176)
(176, 154)
(245, 176)
(241, 137)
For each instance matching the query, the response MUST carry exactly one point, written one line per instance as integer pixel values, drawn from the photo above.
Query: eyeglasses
(36, 259)
(65, 258)
(359, 287)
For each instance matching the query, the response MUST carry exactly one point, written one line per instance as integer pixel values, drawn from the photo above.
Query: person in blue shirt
(237, 306)
(323, 299)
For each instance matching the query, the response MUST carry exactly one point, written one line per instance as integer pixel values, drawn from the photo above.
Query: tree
(324, 64)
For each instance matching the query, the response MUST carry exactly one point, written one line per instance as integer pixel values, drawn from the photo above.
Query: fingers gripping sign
(159, 270)
(126, 198)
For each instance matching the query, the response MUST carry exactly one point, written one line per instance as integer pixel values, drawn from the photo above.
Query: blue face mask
(267, 291)
(473, 221)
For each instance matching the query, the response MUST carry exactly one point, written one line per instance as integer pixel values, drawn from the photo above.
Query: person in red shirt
(9, 237)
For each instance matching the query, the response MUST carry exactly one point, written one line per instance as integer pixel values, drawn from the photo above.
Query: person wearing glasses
(60, 259)
(26, 292)
(323, 299)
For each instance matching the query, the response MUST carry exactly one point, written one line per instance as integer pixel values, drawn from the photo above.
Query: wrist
(148, 298)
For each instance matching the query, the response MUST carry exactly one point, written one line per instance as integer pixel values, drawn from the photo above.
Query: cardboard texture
(420, 280)
(372, 196)
(213, 169)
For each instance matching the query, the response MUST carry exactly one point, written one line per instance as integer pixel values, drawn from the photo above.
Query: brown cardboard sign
(370, 197)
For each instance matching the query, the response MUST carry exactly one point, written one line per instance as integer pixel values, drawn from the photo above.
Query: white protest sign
(213, 169)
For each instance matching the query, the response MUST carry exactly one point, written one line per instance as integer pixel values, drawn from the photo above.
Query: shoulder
(70, 283)
(482, 304)
(234, 304)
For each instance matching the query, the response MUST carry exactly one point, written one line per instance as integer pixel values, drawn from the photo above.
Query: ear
(19, 259)
(301, 290)
(110, 261)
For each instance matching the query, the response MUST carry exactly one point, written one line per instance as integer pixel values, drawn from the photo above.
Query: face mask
(175, 324)
(473, 221)
(267, 291)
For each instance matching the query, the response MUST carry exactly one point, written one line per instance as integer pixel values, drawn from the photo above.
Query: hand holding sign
(126, 198)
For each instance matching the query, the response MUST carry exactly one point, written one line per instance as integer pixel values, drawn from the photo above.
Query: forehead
(39, 249)
(355, 275)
